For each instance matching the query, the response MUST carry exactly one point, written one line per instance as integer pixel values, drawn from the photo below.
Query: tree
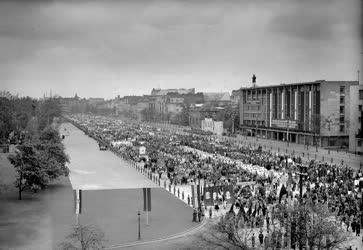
(48, 109)
(228, 234)
(51, 154)
(84, 237)
(311, 224)
(30, 175)
(39, 161)
(7, 123)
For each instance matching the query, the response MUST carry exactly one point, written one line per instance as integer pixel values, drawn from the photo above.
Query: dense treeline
(39, 156)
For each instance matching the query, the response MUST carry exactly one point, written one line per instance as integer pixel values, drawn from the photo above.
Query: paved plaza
(112, 194)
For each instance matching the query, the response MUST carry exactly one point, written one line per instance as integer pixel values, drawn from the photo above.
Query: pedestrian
(267, 242)
(260, 237)
(357, 229)
(199, 215)
(253, 240)
(188, 200)
(210, 213)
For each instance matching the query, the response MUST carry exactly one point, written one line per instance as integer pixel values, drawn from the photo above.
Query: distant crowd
(186, 157)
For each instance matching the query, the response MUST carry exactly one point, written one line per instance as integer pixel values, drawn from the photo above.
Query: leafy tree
(84, 237)
(7, 123)
(39, 161)
(30, 175)
(48, 109)
(51, 154)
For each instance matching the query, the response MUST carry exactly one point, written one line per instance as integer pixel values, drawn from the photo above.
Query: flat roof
(296, 84)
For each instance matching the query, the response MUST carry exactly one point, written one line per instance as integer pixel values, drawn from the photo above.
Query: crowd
(185, 157)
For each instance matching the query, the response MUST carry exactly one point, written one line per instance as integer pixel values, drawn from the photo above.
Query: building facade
(216, 127)
(312, 113)
(356, 114)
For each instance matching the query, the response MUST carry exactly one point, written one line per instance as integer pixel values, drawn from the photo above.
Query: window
(342, 99)
(342, 89)
(341, 119)
(342, 109)
(341, 128)
(361, 94)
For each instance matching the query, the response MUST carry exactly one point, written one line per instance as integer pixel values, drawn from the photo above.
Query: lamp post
(302, 173)
(287, 132)
(139, 235)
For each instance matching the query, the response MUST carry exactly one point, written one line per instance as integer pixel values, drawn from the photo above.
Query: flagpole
(147, 209)
(147, 217)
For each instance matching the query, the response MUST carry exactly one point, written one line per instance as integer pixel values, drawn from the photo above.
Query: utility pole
(139, 235)
(302, 173)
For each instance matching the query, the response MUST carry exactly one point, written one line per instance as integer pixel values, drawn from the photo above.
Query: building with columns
(356, 114)
(312, 113)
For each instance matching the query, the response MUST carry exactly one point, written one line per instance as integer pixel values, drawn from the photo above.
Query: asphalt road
(112, 196)
(92, 169)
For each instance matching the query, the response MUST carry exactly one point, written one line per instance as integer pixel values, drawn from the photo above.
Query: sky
(109, 48)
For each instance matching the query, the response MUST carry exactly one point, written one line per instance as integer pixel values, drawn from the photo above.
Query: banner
(193, 196)
(198, 195)
(77, 196)
(147, 199)
(228, 194)
(208, 196)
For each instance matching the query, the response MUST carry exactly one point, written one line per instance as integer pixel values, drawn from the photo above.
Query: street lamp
(302, 172)
(138, 214)
(287, 132)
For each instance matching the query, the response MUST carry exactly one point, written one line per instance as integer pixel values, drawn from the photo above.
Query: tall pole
(139, 235)
(287, 133)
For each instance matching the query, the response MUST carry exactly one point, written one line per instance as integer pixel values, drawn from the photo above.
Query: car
(102, 146)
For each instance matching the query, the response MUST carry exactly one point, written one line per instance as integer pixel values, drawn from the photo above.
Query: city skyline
(114, 48)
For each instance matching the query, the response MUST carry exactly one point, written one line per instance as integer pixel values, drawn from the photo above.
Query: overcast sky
(106, 48)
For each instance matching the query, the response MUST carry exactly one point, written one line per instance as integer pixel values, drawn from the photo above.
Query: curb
(174, 236)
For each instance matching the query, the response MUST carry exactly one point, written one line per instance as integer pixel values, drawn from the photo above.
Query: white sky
(106, 48)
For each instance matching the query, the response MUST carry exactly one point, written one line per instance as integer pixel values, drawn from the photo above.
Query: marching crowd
(187, 157)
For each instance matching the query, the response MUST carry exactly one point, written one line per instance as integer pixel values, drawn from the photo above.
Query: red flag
(193, 196)
(147, 199)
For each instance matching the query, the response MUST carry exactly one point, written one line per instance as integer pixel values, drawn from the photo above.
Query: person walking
(260, 237)
(357, 229)
(253, 240)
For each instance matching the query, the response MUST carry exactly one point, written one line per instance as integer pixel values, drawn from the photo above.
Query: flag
(198, 195)
(283, 191)
(75, 200)
(147, 199)
(80, 201)
(208, 193)
(249, 212)
(228, 193)
(193, 196)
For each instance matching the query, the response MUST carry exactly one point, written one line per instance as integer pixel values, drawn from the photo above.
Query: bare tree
(227, 233)
(84, 237)
(314, 225)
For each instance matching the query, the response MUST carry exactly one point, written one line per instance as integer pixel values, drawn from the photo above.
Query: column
(270, 108)
(283, 104)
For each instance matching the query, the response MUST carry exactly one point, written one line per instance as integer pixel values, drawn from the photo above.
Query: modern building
(312, 113)
(216, 127)
(356, 114)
